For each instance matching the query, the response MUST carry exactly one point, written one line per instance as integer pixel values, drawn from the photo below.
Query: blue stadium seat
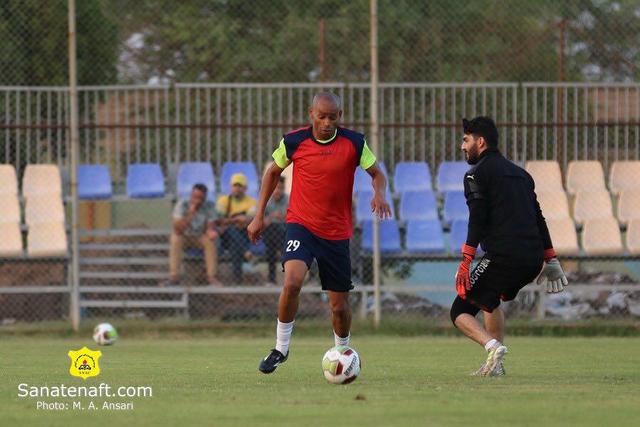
(418, 205)
(362, 181)
(259, 249)
(246, 168)
(363, 207)
(94, 182)
(389, 236)
(193, 173)
(145, 181)
(425, 236)
(458, 235)
(455, 207)
(411, 176)
(451, 176)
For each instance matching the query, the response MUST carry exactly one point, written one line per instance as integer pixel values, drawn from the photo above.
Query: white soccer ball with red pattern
(341, 365)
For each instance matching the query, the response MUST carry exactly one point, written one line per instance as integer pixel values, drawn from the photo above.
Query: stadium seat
(546, 175)
(362, 180)
(624, 176)
(418, 205)
(554, 204)
(11, 242)
(8, 180)
(455, 207)
(451, 176)
(425, 236)
(9, 208)
(585, 176)
(633, 237)
(259, 249)
(248, 169)
(363, 207)
(94, 182)
(458, 235)
(44, 208)
(411, 176)
(287, 174)
(592, 205)
(194, 173)
(145, 181)
(629, 206)
(563, 235)
(389, 236)
(47, 239)
(601, 237)
(41, 179)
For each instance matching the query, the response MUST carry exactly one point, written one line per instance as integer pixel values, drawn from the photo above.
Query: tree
(34, 44)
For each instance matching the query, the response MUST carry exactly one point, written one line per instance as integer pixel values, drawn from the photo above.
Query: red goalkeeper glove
(548, 254)
(463, 282)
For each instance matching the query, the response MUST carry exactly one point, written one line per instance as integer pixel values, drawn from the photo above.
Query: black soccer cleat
(272, 361)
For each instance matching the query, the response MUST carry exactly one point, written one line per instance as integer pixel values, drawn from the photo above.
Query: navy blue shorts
(334, 259)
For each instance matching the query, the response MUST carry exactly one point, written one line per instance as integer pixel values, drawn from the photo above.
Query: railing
(120, 125)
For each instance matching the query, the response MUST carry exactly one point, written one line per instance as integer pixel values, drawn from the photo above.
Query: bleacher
(586, 215)
(591, 218)
(44, 216)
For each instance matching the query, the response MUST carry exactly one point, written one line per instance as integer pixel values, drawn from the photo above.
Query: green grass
(405, 381)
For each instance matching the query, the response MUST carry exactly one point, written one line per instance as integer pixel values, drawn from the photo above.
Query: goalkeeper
(505, 218)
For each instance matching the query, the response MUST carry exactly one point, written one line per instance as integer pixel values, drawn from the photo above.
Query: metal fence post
(374, 147)
(74, 305)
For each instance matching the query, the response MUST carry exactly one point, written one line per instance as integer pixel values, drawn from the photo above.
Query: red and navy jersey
(323, 174)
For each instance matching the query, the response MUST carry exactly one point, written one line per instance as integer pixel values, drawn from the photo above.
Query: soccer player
(318, 223)
(505, 217)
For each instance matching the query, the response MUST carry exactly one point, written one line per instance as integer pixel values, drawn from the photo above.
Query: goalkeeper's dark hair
(482, 126)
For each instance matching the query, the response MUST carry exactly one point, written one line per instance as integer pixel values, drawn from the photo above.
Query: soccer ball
(105, 334)
(341, 365)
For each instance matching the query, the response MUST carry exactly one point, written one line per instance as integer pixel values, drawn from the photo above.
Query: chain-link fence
(174, 94)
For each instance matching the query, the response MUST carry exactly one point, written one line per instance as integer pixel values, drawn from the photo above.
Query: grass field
(404, 381)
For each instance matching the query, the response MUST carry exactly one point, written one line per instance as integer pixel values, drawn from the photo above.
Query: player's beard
(472, 155)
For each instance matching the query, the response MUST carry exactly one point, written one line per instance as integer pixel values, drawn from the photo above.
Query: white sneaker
(493, 365)
(500, 371)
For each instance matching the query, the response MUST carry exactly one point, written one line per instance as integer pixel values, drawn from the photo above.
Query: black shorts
(496, 279)
(333, 257)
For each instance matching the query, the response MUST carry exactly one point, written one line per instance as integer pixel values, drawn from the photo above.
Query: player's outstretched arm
(379, 205)
(269, 183)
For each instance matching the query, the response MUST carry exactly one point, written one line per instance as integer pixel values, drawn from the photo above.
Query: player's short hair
(200, 187)
(482, 126)
(328, 96)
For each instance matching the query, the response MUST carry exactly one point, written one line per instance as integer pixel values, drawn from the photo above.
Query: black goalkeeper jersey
(504, 214)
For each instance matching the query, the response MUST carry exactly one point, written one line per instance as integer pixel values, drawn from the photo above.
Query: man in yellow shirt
(235, 211)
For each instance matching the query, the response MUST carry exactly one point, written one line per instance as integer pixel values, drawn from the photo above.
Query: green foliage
(439, 40)
(34, 46)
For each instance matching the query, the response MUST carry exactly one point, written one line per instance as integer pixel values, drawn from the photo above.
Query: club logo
(84, 363)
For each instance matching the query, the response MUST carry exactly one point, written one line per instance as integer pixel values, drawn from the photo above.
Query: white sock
(283, 336)
(491, 343)
(341, 341)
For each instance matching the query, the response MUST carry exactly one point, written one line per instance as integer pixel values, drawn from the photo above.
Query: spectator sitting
(194, 224)
(274, 232)
(235, 211)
